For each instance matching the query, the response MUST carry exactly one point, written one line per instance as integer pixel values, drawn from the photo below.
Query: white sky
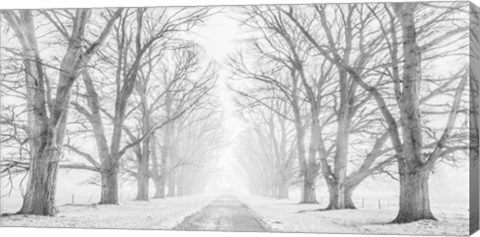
(218, 36)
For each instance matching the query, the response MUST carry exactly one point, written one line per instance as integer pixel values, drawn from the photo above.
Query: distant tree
(198, 145)
(187, 82)
(266, 150)
(300, 79)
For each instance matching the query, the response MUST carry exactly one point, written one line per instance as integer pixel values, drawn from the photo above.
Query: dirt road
(225, 213)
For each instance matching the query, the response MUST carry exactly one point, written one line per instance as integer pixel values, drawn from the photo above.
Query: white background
(16, 232)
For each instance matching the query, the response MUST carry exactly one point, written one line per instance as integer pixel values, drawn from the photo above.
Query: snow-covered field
(276, 215)
(155, 214)
(289, 216)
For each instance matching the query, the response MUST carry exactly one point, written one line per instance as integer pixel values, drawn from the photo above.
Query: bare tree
(47, 121)
(266, 150)
(187, 82)
(414, 166)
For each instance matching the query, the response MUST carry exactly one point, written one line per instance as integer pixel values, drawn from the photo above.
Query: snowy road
(225, 213)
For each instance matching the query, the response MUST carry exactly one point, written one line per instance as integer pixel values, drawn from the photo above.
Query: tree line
(344, 92)
(128, 82)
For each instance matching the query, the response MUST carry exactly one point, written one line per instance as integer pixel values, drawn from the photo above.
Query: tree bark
(341, 159)
(40, 195)
(309, 195)
(349, 204)
(414, 198)
(143, 179)
(337, 186)
(311, 172)
(345, 197)
(109, 189)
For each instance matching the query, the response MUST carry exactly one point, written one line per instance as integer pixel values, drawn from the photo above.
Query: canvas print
(315, 118)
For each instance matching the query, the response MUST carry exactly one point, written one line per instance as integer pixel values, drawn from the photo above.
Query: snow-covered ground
(276, 215)
(155, 214)
(289, 216)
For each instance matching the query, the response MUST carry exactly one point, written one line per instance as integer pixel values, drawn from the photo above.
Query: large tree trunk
(308, 191)
(348, 199)
(414, 198)
(40, 195)
(109, 189)
(339, 200)
(311, 172)
(337, 187)
(109, 192)
(142, 179)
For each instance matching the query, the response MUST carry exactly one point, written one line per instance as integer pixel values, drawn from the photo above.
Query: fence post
(379, 204)
(73, 198)
(363, 202)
